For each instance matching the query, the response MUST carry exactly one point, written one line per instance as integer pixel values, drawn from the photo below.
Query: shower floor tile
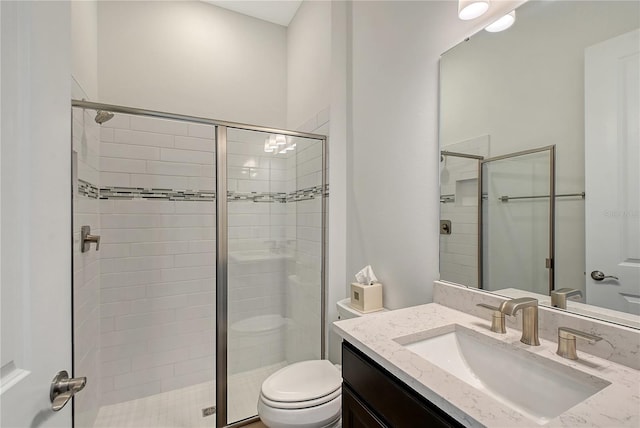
(183, 407)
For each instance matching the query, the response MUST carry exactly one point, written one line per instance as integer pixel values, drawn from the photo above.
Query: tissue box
(366, 298)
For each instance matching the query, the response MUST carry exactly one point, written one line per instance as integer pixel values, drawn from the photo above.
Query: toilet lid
(302, 381)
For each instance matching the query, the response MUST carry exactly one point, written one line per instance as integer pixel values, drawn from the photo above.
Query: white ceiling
(279, 12)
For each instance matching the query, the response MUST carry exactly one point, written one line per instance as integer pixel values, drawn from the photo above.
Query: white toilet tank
(345, 311)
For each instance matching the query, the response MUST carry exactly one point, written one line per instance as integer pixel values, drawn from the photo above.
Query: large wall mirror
(540, 158)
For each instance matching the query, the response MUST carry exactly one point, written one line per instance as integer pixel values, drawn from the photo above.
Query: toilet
(307, 394)
(304, 394)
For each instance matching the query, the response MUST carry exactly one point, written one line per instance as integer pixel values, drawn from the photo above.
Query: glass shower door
(144, 301)
(516, 242)
(274, 209)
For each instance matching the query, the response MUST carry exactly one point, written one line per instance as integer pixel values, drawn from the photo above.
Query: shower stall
(516, 218)
(198, 254)
(499, 218)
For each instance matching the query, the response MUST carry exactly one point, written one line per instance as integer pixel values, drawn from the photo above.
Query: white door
(35, 215)
(612, 165)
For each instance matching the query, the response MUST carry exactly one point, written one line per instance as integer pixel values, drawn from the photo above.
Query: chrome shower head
(103, 116)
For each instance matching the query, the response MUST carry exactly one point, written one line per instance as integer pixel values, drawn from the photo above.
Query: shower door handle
(64, 388)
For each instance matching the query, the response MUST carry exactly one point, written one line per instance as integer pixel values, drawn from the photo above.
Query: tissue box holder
(366, 298)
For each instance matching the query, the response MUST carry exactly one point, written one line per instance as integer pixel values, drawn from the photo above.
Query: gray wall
(393, 161)
(192, 58)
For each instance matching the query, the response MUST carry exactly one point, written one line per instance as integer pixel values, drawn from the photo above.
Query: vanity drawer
(389, 400)
(356, 414)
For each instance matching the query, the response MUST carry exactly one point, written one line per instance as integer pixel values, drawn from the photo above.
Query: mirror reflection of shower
(103, 116)
(484, 229)
(459, 164)
(446, 170)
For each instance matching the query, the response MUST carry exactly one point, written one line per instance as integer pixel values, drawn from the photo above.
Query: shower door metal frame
(550, 262)
(222, 292)
(221, 128)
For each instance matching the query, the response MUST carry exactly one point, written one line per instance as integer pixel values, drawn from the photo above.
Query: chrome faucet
(559, 297)
(529, 308)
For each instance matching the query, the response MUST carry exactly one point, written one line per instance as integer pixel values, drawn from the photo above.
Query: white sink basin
(537, 387)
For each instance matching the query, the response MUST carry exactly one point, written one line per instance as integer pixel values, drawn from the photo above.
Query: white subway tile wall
(158, 305)
(155, 153)
(158, 259)
(86, 266)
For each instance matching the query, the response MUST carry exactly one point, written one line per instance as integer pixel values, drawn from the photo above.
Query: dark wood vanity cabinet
(356, 414)
(372, 397)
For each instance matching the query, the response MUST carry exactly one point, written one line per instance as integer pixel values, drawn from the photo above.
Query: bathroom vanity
(394, 375)
(373, 397)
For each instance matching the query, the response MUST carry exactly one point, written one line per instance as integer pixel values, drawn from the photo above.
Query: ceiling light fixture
(503, 23)
(471, 9)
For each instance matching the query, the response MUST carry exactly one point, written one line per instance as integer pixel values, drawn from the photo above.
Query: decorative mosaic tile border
(162, 194)
(257, 197)
(89, 190)
(306, 194)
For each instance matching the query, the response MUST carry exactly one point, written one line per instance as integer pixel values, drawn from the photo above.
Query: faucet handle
(497, 318)
(567, 341)
(86, 238)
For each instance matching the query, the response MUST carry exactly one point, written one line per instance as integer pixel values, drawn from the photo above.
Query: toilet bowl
(307, 394)
(255, 342)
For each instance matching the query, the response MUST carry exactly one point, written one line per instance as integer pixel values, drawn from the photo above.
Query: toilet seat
(302, 381)
(304, 394)
(301, 404)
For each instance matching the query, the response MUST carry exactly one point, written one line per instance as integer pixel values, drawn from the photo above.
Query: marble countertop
(616, 405)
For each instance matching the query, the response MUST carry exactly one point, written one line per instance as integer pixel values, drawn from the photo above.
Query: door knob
(599, 276)
(63, 388)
